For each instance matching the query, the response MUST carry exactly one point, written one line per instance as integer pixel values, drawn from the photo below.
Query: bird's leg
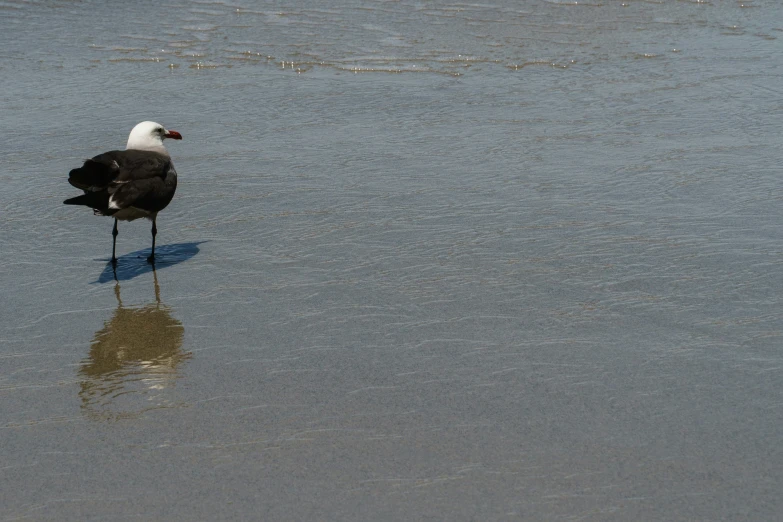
(151, 259)
(157, 287)
(114, 243)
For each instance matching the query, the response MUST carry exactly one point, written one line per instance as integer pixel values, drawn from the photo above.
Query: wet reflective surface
(442, 260)
(134, 358)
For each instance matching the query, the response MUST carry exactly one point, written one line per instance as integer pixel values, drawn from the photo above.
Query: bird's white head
(149, 135)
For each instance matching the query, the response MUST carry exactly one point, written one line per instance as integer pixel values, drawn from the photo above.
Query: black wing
(120, 179)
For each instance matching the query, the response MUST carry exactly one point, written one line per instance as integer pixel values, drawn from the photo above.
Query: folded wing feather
(120, 179)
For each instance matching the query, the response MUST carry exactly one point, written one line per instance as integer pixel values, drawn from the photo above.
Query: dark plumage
(141, 179)
(129, 184)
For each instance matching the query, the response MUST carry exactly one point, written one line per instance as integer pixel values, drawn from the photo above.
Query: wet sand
(447, 261)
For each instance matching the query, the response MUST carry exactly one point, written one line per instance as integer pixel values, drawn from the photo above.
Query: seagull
(129, 184)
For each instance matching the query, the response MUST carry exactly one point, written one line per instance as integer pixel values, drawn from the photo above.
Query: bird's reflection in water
(133, 361)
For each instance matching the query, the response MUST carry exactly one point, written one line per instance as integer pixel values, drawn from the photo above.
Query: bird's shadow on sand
(135, 264)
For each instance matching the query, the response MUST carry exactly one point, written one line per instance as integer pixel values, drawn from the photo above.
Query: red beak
(174, 135)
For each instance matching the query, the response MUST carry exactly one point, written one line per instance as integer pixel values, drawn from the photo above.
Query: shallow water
(444, 260)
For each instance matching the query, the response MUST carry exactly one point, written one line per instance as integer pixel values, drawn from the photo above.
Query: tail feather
(98, 201)
(93, 178)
